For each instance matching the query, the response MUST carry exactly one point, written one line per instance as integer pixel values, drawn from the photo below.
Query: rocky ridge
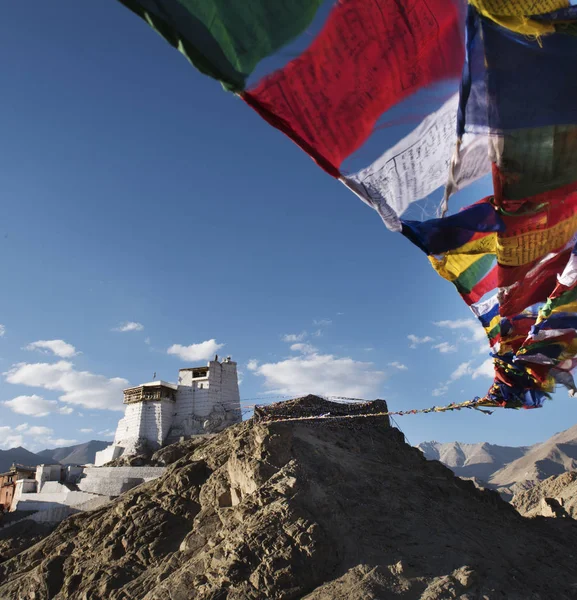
(313, 509)
(554, 497)
(479, 460)
(555, 456)
(507, 469)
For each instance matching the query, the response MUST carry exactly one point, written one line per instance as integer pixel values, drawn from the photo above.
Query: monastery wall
(156, 419)
(129, 425)
(192, 396)
(113, 481)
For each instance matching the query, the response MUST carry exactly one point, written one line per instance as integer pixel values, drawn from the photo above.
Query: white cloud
(129, 326)
(58, 442)
(487, 369)
(303, 348)
(252, 364)
(194, 352)
(33, 406)
(441, 390)
(466, 369)
(66, 410)
(445, 347)
(34, 438)
(107, 433)
(322, 322)
(86, 430)
(294, 337)
(78, 387)
(9, 439)
(397, 365)
(462, 370)
(416, 340)
(147, 341)
(471, 325)
(37, 430)
(58, 347)
(321, 374)
(2, 330)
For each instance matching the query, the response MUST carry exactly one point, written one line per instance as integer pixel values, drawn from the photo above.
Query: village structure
(206, 399)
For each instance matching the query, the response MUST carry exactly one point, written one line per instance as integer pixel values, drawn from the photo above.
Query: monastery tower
(205, 400)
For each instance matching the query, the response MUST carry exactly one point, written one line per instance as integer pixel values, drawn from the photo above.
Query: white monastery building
(205, 400)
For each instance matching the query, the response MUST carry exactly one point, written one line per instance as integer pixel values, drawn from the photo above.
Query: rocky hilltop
(319, 509)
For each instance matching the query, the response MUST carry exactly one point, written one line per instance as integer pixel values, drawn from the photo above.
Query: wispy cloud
(303, 348)
(475, 334)
(86, 430)
(294, 337)
(445, 347)
(441, 390)
(57, 347)
(252, 364)
(79, 387)
(194, 352)
(471, 325)
(322, 322)
(129, 326)
(462, 370)
(416, 340)
(2, 330)
(107, 433)
(398, 365)
(466, 369)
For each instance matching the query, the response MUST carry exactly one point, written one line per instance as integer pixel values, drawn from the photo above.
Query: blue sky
(134, 190)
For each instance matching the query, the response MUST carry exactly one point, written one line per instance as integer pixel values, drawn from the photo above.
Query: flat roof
(157, 383)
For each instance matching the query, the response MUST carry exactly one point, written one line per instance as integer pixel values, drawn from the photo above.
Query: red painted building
(8, 484)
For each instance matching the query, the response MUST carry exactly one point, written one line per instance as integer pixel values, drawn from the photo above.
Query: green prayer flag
(226, 38)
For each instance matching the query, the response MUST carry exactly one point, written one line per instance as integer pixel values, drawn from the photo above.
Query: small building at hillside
(205, 400)
(8, 483)
(50, 493)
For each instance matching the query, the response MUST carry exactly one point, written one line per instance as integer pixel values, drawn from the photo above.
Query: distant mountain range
(508, 469)
(20, 456)
(79, 454)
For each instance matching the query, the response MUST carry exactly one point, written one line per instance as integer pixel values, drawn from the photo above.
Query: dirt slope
(321, 510)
